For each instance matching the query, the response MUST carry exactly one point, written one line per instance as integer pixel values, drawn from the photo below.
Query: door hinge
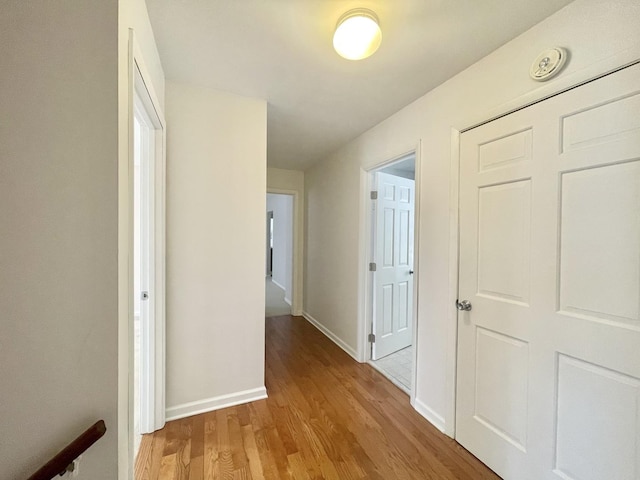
(372, 267)
(374, 195)
(372, 338)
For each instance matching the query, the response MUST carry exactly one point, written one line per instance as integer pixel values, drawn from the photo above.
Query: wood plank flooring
(327, 417)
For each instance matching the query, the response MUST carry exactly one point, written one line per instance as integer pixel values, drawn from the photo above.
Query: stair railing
(64, 461)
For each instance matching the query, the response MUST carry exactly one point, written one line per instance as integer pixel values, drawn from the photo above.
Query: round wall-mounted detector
(548, 64)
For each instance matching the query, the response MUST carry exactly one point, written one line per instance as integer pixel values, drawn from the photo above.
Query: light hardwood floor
(327, 417)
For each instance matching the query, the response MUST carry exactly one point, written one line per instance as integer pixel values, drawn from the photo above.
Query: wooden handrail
(58, 464)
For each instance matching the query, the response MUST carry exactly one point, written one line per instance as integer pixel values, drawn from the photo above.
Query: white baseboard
(332, 336)
(278, 285)
(215, 403)
(431, 416)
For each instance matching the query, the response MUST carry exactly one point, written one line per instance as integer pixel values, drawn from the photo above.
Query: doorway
(148, 240)
(392, 253)
(269, 255)
(279, 255)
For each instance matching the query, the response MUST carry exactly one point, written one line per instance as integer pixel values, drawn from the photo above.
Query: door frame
(556, 87)
(366, 250)
(140, 86)
(297, 249)
(375, 179)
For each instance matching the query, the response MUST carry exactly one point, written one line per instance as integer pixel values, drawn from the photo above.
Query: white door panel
(393, 279)
(548, 380)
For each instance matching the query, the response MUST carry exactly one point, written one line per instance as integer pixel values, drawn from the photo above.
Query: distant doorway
(392, 245)
(279, 255)
(269, 244)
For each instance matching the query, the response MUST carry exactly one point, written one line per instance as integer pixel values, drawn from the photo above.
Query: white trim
(364, 250)
(416, 269)
(138, 61)
(215, 403)
(277, 284)
(331, 336)
(154, 370)
(451, 347)
(431, 416)
(298, 249)
(126, 443)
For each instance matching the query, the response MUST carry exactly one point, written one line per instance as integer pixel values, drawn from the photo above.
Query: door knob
(464, 305)
(410, 272)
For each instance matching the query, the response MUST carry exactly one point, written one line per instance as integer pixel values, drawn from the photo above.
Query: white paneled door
(393, 278)
(548, 383)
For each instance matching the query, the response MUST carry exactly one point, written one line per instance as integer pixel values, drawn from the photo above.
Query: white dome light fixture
(358, 34)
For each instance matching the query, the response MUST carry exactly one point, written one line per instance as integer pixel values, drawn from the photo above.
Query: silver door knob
(464, 305)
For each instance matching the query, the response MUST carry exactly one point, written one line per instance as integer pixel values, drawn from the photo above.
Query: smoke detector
(548, 64)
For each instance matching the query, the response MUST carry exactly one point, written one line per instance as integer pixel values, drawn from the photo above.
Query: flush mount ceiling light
(358, 34)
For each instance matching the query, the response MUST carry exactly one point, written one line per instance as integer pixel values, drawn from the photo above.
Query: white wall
(282, 208)
(58, 232)
(282, 179)
(216, 203)
(598, 34)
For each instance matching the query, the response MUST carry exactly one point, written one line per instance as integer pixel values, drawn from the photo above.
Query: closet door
(548, 380)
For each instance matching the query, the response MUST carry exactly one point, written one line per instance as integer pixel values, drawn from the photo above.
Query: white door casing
(548, 382)
(393, 277)
(145, 108)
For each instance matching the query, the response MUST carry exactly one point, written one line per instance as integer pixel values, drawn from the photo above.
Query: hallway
(327, 417)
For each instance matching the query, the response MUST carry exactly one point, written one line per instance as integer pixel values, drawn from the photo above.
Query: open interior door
(393, 275)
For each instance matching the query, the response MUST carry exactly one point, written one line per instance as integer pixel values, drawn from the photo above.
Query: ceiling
(281, 51)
